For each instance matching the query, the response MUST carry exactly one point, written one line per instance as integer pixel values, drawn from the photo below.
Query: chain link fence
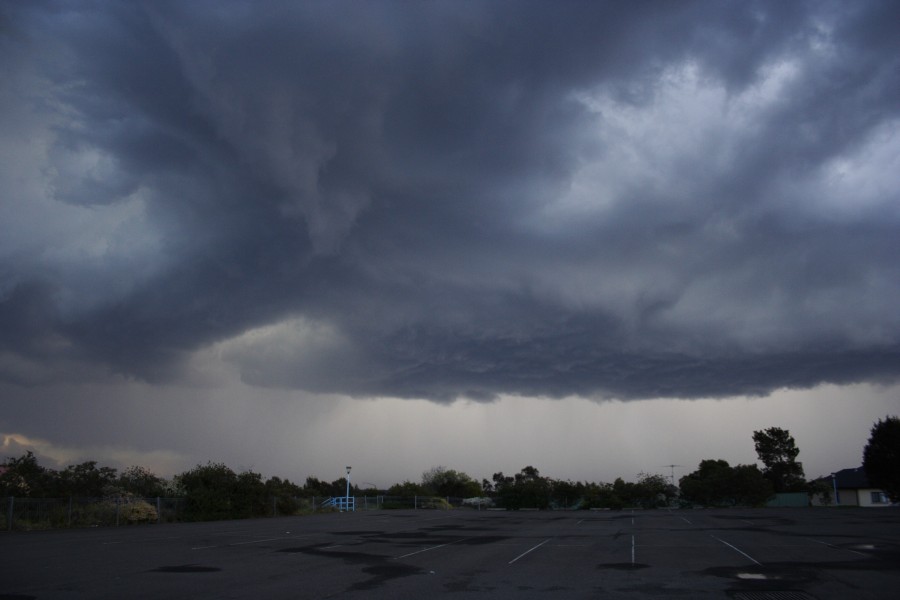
(31, 514)
(54, 513)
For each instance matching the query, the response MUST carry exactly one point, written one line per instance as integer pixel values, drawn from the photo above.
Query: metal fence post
(70, 511)
(9, 516)
(117, 512)
(158, 510)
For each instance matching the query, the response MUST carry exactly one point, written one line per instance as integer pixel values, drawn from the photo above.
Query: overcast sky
(593, 237)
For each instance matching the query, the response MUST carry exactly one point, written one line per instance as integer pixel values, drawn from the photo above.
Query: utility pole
(673, 471)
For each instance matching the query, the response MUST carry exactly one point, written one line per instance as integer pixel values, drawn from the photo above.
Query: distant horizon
(742, 453)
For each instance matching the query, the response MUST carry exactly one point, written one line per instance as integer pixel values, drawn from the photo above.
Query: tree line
(211, 491)
(714, 483)
(214, 491)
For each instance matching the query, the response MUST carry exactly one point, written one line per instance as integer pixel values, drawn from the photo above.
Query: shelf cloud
(452, 200)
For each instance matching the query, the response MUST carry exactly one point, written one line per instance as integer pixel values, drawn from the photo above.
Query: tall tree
(23, 476)
(249, 495)
(86, 479)
(209, 491)
(528, 489)
(407, 489)
(778, 451)
(749, 486)
(441, 481)
(881, 457)
(651, 491)
(709, 485)
(716, 483)
(142, 482)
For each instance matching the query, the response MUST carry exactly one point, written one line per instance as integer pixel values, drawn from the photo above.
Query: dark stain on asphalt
(621, 566)
(324, 551)
(384, 572)
(483, 540)
(781, 576)
(407, 535)
(466, 582)
(380, 569)
(446, 527)
(767, 578)
(185, 569)
(656, 590)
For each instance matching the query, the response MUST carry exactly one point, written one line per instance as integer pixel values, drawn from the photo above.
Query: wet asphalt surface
(785, 554)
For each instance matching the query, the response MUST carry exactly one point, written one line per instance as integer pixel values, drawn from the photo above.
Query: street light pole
(348, 486)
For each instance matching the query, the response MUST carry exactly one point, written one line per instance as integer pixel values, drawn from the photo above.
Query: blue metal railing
(342, 503)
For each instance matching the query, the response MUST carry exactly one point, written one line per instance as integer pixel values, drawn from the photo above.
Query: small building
(853, 489)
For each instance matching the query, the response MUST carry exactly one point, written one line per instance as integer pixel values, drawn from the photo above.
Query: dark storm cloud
(454, 199)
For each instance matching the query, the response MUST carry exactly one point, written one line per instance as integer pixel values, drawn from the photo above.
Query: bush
(433, 503)
(136, 510)
(478, 501)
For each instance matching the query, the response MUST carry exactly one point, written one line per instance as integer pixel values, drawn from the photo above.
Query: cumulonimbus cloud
(451, 200)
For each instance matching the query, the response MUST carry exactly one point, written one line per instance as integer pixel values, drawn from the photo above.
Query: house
(853, 489)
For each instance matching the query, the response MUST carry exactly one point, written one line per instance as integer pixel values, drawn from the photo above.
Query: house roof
(852, 478)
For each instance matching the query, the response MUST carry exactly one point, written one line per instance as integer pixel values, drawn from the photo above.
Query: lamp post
(348, 485)
(837, 500)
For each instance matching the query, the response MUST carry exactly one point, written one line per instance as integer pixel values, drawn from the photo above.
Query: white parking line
(431, 548)
(839, 548)
(255, 541)
(529, 551)
(738, 550)
(686, 521)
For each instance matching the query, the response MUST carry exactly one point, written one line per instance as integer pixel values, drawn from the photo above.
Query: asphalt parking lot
(787, 554)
